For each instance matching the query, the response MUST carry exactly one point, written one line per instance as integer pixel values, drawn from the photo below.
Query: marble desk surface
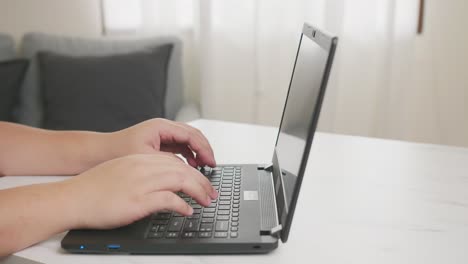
(363, 200)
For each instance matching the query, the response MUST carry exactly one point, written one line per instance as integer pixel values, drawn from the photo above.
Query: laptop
(256, 202)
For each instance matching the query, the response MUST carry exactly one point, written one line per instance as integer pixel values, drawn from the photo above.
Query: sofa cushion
(11, 76)
(104, 93)
(31, 109)
(7, 47)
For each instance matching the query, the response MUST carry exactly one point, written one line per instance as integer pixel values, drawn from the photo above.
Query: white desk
(362, 201)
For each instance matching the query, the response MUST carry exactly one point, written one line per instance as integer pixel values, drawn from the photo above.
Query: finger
(166, 200)
(204, 182)
(166, 155)
(180, 134)
(181, 180)
(200, 135)
(187, 171)
(183, 150)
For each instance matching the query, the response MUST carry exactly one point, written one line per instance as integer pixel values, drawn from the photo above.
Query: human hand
(121, 191)
(159, 134)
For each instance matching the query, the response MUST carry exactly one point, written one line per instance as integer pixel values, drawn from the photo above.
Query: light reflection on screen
(300, 106)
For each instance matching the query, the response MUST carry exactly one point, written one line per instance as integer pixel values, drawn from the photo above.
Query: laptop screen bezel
(328, 43)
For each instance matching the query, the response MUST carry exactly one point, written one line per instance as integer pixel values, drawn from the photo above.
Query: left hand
(160, 134)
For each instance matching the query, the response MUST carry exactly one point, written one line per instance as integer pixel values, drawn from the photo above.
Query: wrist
(69, 197)
(101, 147)
(115, 145)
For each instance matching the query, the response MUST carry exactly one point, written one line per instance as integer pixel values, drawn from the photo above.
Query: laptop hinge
(275, 231)
(265, 167)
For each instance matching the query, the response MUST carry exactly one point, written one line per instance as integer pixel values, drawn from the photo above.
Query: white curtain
(239, 56)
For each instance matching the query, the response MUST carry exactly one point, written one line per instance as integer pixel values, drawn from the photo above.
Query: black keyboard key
(236, 201)
(223, 212)
(235, 205)
(206, 227)
(222, 226)
(225, 198)
(162, 228)
(207, 220)
(236, 210)
(162, 216)
(225, 194)
(209, 210)
(194, 216)
(234, 228)
(226, 185)
(224, 207)
(222, 217)
(234, 234)
(197, 211)
(235, 214)
(160, 222)
(196, 206)
(235, 224)
(154, 228)
(208, 215)
(215, 183)
(190, 234)
(235, 219)
(226, 189)
(175, 224)
(204, 234)
(224, 202)
(156, 235)
(172, 234)
(191, 225)
(221, 234)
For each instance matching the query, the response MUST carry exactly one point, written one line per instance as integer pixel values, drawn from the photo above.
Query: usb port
(113, 247)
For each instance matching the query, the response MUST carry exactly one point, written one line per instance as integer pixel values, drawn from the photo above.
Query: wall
(78, 17)
(387, 81)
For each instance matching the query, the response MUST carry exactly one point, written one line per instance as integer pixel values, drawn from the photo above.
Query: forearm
(34, 213)
(31, 151)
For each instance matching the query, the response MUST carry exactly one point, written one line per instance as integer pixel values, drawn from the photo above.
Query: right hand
(121, 191)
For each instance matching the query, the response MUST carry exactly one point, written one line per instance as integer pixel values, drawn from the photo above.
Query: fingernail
(208, 200)
(214, 194)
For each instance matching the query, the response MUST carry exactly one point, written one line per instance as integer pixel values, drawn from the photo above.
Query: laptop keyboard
(218, 220)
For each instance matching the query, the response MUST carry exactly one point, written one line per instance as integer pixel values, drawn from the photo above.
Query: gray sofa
(30, 110)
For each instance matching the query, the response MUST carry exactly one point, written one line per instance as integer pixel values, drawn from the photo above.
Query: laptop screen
(302, 108)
